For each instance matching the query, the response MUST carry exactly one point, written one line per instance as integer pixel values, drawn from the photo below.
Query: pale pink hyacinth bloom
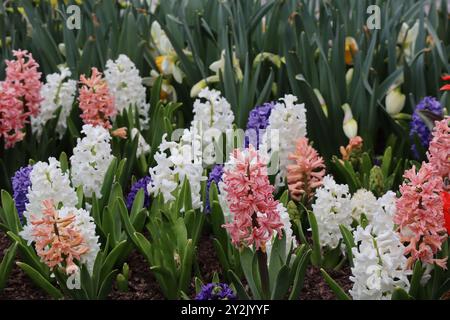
(250, 200)
(95, 100)
(420, 215)
(307, 173)
(19, 96)
(439, 150)
(57, 239)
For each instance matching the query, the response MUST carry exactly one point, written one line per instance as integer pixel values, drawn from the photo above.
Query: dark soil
(143, 286)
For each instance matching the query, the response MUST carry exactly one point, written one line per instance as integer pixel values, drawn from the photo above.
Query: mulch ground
(143, 286)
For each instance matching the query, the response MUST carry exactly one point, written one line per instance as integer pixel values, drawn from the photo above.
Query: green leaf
(338, 291)
(242, 294)
(7, 264)
(281, 285)
(300, 275)
(39, 280)
(349, 242)
(316, 255)
(400, 294)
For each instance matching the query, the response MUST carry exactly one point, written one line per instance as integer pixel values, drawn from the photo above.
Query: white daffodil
(220, 65)
(350, 125)
(407, 39)
(166, 58)
(395, 101)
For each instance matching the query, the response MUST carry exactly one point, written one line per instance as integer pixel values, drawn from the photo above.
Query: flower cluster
(212, 117)
(58, 92)
(418, 125)
(143, 147)
(48, 181)
(91, 159)
(216, 176)
(439, 151)
(125, 85)
(19, 96)
(184, 162)
(379, 264)
(96, 101)
(20, 183)
(216, 291)
(306, 174)
(258, 120)
(62, 236)
(287, 123)
(138, 185)
(420, 215)
(250, 199)
(331, 209)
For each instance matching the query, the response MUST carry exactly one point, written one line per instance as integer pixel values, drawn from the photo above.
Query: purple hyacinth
(258, 120)
(216, 291)
(216, 176)
(418, 126)
(138, 185)
(21, 182)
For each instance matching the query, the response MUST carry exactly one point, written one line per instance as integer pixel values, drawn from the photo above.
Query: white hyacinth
(184, 161)
(364, 202)
(91, 159)
(125, 84)
(58, 92)
(212, 117)
(331, 209)
(379, 264)
(143, 146)
(287, 123)
(47, 182)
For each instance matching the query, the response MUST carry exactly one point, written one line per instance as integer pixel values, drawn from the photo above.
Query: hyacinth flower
(96, 102)
(250, 199)
(216, 291)
(420, 215)
(138, 185)
(439, 151)
(21, 182)
(216, 176)
(258, 120)
(57, 240)
(307, 173)
(19, 96)
(418, 127)
(252, 206)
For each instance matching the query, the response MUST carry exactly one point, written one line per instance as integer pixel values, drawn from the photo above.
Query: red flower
(447, 86)
(446, 200)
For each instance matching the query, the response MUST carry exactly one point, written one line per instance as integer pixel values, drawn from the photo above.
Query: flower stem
(263, 273)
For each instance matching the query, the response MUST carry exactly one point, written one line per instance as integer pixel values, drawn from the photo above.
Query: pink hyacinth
(439, 150)
(307, 173)
(19, 96)
(420, 215)
(250, 199)
(95, 100)
(57, 239)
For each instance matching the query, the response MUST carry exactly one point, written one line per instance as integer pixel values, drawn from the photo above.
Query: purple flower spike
(419, 127)
(21, 182)
(258, 120)
(216, 291)
(138, 185)
(216, 176)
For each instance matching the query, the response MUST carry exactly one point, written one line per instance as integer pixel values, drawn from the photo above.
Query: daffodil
(219, 65)
(166, 58)
(351, 48)
(395, 101)
(350, 125)
(407, 39)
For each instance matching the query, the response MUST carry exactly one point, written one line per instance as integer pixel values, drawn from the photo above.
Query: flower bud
(395, 101)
